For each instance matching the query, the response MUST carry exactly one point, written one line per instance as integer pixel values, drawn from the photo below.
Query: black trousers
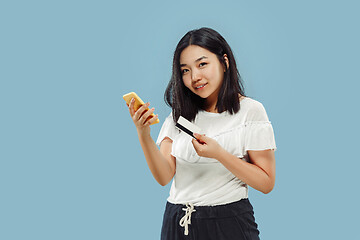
(233, 221)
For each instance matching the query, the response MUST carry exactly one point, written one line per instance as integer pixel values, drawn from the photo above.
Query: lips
(200, 86)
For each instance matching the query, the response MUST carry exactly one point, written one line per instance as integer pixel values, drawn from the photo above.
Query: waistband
(218, 211)
(189, 211)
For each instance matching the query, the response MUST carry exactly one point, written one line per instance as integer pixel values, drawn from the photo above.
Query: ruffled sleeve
(168, 129)
(259, 133)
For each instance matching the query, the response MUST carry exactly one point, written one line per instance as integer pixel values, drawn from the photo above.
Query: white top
(205, 181)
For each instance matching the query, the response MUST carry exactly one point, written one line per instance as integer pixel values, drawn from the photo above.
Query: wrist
(143, 134)
(220, 154)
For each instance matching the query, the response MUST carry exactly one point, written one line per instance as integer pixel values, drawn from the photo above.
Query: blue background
(71, 164)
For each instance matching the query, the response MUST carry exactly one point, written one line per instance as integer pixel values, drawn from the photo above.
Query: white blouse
(205, 181)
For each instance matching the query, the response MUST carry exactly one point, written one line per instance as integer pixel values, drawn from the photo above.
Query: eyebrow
(199, 59)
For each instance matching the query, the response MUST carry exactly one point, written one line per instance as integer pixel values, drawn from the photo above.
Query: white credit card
(188, 127)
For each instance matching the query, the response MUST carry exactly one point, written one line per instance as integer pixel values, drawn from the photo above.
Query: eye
(202, 64)
(184, 71)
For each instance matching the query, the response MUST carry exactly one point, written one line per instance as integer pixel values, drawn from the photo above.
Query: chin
(203, 96)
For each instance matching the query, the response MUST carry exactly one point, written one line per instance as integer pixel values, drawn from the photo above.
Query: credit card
(187, 126)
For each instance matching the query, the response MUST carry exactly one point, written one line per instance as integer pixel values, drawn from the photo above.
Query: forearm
(159, 166)
(247, 172)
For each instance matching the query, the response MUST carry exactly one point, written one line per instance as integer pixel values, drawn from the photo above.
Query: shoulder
(168, 129)
(255, 110)
(169, 116)
(169, 120)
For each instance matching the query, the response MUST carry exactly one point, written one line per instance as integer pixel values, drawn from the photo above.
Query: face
(202, 72)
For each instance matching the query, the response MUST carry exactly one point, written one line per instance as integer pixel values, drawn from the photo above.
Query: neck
(210, 103)
(210, 107)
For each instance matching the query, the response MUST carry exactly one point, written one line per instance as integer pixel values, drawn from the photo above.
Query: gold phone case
(138, 103)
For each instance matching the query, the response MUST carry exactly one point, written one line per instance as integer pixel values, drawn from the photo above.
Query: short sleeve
(168, 129)
(259, 133)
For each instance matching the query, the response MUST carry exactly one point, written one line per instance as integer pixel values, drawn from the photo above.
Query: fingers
(146, 116)
(195, 143)
(142, 115)
(141, 111)
(153, 119)
(200, 137)
(199, 148)
(131, 107)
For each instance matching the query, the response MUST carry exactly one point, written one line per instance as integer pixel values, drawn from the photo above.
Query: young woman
(211, 174)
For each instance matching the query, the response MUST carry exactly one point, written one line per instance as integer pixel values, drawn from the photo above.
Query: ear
(226, 61)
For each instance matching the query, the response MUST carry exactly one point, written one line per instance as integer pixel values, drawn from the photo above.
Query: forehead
(193, 52)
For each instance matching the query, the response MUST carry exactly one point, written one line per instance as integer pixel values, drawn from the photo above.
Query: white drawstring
(186, 219)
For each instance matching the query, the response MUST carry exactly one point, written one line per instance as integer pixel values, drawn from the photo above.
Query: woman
(211, 172)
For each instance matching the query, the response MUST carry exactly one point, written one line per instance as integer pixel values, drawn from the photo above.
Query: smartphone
(138, 103)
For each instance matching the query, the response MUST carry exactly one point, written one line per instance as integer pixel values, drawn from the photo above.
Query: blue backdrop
(71, 164)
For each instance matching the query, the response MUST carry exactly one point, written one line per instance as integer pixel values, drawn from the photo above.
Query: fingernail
(132, 99)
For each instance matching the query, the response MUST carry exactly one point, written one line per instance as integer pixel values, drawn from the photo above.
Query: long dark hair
(181, 99)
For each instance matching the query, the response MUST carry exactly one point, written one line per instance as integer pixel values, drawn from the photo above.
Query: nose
(195, 75)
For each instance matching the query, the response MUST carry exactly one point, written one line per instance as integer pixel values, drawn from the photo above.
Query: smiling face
(202, 73)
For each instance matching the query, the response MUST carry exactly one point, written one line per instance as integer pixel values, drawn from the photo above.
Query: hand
(206, 147)
(141, 117)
